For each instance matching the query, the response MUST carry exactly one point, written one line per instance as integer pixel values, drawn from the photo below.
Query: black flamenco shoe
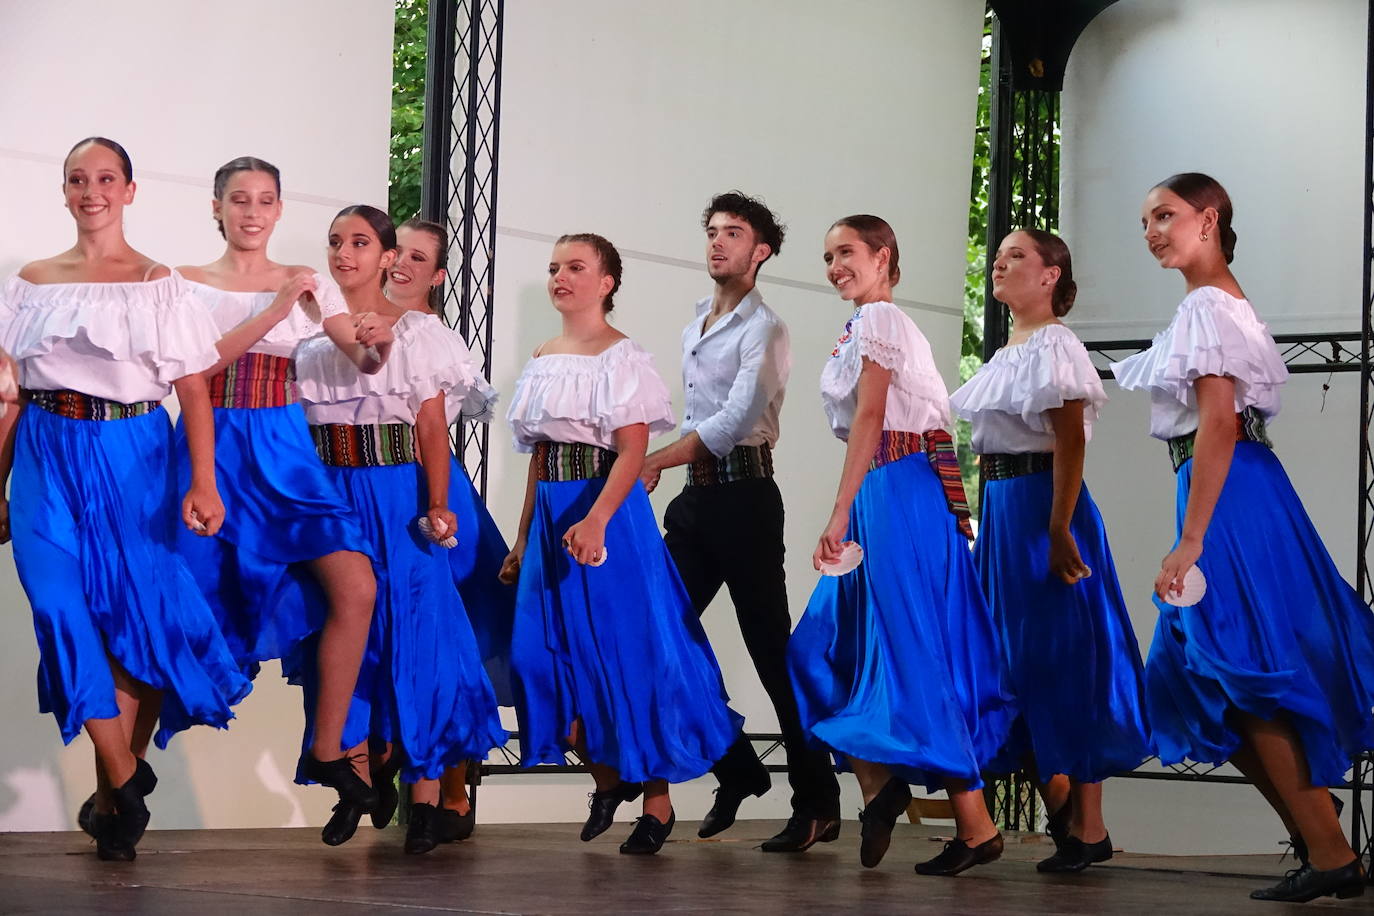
(1057, 824)
(84, 816)
(422, 831)
(109, 845)
(388, 793)
(958, 856)
(343, 823)
(729, 796)
(1074, 855)
(649, 835)
(1307, 883)
(603, 805)
(878, 818)
(455, 827)
(802, 832)
(130, 808)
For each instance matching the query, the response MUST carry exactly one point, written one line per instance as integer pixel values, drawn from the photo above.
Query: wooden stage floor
(543, 868)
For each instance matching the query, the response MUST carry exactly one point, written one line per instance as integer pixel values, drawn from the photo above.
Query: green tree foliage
(407, 107)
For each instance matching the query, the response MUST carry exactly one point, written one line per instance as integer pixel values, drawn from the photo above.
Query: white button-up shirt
(734, 376)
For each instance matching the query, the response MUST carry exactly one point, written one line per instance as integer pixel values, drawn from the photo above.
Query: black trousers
(731, 534)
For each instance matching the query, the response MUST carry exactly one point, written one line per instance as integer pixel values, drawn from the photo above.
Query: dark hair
(243, 164)
(753, 211)
(1055, 253)
(875, 233)
(1200, 192)
(606, 253)
(440, 236)
(124, 160)
(378, 220)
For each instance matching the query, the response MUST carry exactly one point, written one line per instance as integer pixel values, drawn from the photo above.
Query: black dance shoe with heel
(729, 796)
(388, 794)
(958, 856)
(356, 797)
(109, 845)
(84, 816)
(649, 835)
(1074, 855)
(802, 832)
(1307, 883)
(422, 828)
(455, 827)
(131, 811)
(603, 805)
(878, 819)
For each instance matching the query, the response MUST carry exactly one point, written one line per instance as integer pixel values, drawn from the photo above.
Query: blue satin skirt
(1279, 632)
(898, 662)
(475, 564)
(422, 684)
(618, 646)
(94, 511)
(1073, 659)
(282, 509)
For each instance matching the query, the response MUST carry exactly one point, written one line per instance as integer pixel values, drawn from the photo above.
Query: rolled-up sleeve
(763, 371)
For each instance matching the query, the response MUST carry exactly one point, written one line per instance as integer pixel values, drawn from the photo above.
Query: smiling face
(732, 249)
(858, 273)
(95, 188)
(1174, 229)
(249, 209)
(416, 268)
(1020, 277)
(577, 280)
(356, 255)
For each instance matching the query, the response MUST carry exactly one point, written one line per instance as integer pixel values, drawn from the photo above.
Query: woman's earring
(1203, 237)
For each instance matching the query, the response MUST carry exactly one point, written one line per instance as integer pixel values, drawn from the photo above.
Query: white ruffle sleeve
(565, 397)
(329, 297)
(161, 326)
(1050, 368)
(427, 358)
(1212, 333)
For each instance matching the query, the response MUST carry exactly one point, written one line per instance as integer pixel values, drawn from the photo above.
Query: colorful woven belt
(1249, 428)
(77, 406)
(743, 462)
(559, 461)
(255, 380)
(938, 446)
(1004, 467)
(343, 445)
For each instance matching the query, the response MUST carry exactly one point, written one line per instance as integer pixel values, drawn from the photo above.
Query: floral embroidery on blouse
(848, 333)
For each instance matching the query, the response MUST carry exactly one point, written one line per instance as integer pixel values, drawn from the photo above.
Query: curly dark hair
(753, 211)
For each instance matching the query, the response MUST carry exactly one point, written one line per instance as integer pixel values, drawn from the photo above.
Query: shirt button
(689, 416)
(694, 352)
(689, 385)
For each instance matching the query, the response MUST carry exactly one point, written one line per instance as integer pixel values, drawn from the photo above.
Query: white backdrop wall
(627, 125)
(1156, 87)
(185, 87)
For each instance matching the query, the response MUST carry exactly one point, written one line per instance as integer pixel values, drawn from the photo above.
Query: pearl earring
(1203, 236)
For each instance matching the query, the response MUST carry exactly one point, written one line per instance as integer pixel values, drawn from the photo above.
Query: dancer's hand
(1065, 561)
(4, 520)
(510, 566)
(831, 542)
(202, 511)
(372, 329)
(1172, 570)
(293, 290)
(648, 475)
(442, 522)
(585, 542)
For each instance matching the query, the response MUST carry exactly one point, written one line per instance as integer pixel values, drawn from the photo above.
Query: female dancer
(424, 692)
(288, 526)
(1043, 557)
(896, 664)
(1273, 668)
(608, 656)
(102, 334)
(415, 282)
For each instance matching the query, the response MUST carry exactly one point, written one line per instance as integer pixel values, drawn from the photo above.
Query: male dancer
(725, 528)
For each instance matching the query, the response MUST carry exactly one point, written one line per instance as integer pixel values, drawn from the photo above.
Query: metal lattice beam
(458, 187)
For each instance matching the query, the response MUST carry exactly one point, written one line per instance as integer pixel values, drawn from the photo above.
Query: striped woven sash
(255, 380)
(75, 405)
(743, 462)
(560, 461)
(1005, 467)
(1249, 428)
(374, 445)
(938, 446)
